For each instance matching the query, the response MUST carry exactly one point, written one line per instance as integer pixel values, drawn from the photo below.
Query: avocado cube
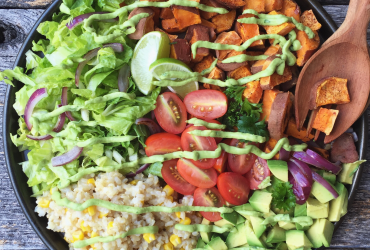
(279, 169)
(302, 228)
(231, 217)
(257, 226)
(300, 210)
(345, 206)
(336, 205)
(348, 170)
(261, 201)
(297, 239)
(320, 233)
(237, 236)
(252, 239)
(276, 235)
(282, 246)
(206, 237)
(222, 223)
(263, 239)
(329, 177)
(200, 243)
(321, 193)
(286, 225)
(316, 209)
(217, 244)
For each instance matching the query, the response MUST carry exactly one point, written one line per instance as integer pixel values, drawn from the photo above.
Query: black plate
(54, 241)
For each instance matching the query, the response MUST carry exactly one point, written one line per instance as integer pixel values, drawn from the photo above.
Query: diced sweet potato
(309, 46)
(269, 82)
(240, 72)
(233, 4)
(253, 53)
(230, 37)
(271, 5)
(308, 19)
(180, 50)
(186, 16)
(171, 37)
(282, 29)
(145, 25)
(247, 31)
(291, 9)
(171, 26)
(232, 66)
(212, 29)
(212, 3)
(216, 74)
(331, 90)
(224, 22)
(197, 58)
(270, 145)
(204, 64)
(197, 33)
(267, 101)
(273, 50)
(166, 13)
(325, 120)
(291, 83)
(257, 5)
(281, 110)
(292, 130)
(253, 92)
(157, 13)
(343, 149)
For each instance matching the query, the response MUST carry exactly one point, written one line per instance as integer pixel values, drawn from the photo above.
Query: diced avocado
(206, 237)
(336, 205)
(237, 236)
(241, 219)
(320, 233)
(217, 244)
(279, 169)
(234, 218)
(348, 170)
(247, 210)
(286, 225)
(331, 178)
(257, 226)
(263, 239)
(252, 239)
(316, 209)
(200, 243)
(276, 235)
(345, 206)
(321, 193)
(297, 239)
(299, 227)
(282, 211)
(282, 246)
(270, 213)
(222, 223)
(300, 210)
(261, 201)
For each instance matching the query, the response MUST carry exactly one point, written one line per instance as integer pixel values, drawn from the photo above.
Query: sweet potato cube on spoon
(325, 120)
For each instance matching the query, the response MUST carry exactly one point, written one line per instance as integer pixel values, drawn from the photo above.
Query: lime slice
(169, 64)
(150, 47)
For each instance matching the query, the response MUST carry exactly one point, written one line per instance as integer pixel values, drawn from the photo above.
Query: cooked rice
(116, 188)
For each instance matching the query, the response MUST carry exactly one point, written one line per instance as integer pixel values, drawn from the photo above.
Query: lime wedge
(169, 64)
(150, 47)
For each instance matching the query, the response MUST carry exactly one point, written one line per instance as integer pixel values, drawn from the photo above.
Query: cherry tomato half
(170, 113)
(162, 143)
(220, 164)
(240, 164)
(203, 178)
(218, 139)
(233, 187)
(209, 197)
(173, 178)
(206, 104)
(193, 142)
(258, 173)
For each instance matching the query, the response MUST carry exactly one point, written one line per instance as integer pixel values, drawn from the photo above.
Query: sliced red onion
(301, 185)
(314, 159)
(39, 138)
(66, 158)
(152, 125)
(36, 96)
(142, 168)
(130, 175)
(79, 19)
(284, 155)
(60, 122)
(297, 190)
(326, 184)
(117, 47)
(123, 78)
(305, 169)
(153, 115)
(65, 102)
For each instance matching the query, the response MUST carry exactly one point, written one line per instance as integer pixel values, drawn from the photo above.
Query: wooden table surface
(16, 19)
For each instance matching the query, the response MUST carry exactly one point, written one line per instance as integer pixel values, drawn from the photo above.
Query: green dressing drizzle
(204, 228)
(199, 122)
(226, 134)
(43, 117)
(244, 58)
(209, 70)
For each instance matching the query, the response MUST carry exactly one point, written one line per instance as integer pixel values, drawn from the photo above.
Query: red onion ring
(36, 96)
(79, 19)
(314, 159)
(301, 184)
(130, 175)
(152, 125)
(39, 138)
(326, 184)
(123, 78)
(67, 157)
(305, 169)
(117, 47)
(65, 102)
(284, 155)
(142, 168)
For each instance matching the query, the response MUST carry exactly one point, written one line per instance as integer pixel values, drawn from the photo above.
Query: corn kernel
(186, 221)
(175, 240)
(169, 190)
(85, 211)
(110, 224)
(44, 203)
(66, 210)
(170, 198)
(91, 181)
(78, 235)
(149, 237)
(102, 215)
(85, 228)
(94, 234)
(51, 191)
(92, 246)
(134, 182)
(178, 214)
(91, 210)
(168, 246)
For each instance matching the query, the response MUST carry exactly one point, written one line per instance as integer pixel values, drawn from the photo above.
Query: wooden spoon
(345, 55)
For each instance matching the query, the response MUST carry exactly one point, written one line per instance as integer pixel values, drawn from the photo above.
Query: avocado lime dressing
(243, 58)
(209, 70)
(204, 228)
(231, 135)
(199, 122)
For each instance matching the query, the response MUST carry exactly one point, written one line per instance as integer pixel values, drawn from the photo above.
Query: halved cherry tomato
(193, 142)
(203, 178)
(162, 143)
(258, 173)
(220, 164)
(209, 197)
(173, 178)
(218, 139)
(233, 187)
(240, 164)
(171, 113)
(206, 104)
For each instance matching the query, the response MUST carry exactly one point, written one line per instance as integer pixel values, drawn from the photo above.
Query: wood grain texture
(16, 232)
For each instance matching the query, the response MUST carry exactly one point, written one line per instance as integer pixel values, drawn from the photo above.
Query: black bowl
(13, 157)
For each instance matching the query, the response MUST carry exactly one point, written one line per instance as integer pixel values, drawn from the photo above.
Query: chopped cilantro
(282, 195)
(236, 93)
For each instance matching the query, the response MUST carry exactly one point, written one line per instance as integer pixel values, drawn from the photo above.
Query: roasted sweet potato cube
(145, 25)
(217, 74)
(282, 29)
(157, 13)
(325, 120)
(171, 37)
(308, 19)
(273, 50)
(224, 22)
(291, 9)
(212, 3)
(212, 29)
(186, 16)
(281, 111)
(291, 83)
(180, 50)
(331, 90)
(247, 31)
(230, 37)
(253, 53)
(171, 26)
(268, 98)
(214, 87)
(269, 82)
(271, 5)
(197, 58)
(204, 64)
(253, 92)
(344, 149)
(270, 145)
(240, 72)
(309, 46)
(166, 13)
(292, 130)
(197, 33)
(232, 4)
(232, 66)
(257, 5)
